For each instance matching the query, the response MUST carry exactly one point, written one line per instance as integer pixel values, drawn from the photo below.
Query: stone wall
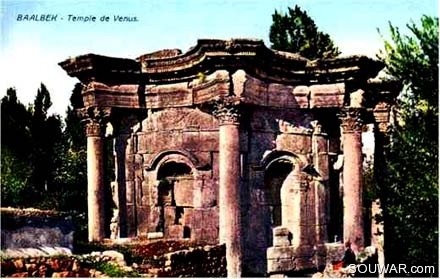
(30, 228)
(207, 261)
(178, 145)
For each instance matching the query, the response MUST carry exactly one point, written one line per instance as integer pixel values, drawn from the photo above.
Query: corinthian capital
(351, 120)
(96, 119)
(226, 110)
(95, 129)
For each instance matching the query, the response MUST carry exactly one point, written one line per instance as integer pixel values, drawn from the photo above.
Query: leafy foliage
(46, 136)
(410, 197)
(296, 32)
(14, 179)
(15, 119)
(43, 162)
(15, 149)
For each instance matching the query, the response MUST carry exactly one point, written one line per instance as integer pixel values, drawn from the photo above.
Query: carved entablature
(351, 120)
(209, 55)
(227, 111)
(111, 95)
(96, 119)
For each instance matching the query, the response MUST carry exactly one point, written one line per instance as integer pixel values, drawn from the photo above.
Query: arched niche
(175, 188)
(274, 176)
(167, 175)
(283, 177)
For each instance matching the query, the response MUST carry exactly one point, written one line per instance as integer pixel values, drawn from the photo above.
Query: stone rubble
(58, 265)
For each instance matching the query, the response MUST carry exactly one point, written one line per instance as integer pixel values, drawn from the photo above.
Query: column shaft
(227, 112)
(95, 182)
(352, 175)
(229, 196)
(120, 145)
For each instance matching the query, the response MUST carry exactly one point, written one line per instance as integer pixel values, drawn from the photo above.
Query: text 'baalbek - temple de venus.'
(232, 143)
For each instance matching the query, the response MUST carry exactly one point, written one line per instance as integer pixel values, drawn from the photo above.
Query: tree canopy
(296, 32)
(410, 197)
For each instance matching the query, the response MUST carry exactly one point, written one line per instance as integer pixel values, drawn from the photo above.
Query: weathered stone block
(281, 236)
(169, 99)
(281, 96)
(294, 143)
(208, 141)
(191, 140)
(285, 252)
(327, 95)
(169, 139)
(205, 92)
(187, 216)
(255, 91)
(155, 235)
(209, 193)
(183, 191)
(170, 215)
(142, 219)
(281, 265)
(174, 232)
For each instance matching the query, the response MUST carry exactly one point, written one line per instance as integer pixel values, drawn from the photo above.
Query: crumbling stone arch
(173, 155)
(296, 159)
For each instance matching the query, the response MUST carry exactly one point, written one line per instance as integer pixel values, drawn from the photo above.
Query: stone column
(123, 122)
(120, 147)
(352, 174)
(229, 184)
(95, 130)
(293, 203)
(320, 148)
(381, 139)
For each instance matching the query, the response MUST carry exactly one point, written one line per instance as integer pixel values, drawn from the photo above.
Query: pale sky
(30, 51)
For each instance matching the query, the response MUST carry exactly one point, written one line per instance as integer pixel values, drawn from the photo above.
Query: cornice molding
(209, 55)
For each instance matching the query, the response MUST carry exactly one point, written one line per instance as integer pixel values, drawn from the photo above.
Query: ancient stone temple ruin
(234, 143)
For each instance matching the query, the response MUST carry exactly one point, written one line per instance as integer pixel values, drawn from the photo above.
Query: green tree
(71, 175)
(296, 32)
(14, 179)
(75, 128)
(15, 119)
(15, 151)
(47, 140)
(410, 198)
